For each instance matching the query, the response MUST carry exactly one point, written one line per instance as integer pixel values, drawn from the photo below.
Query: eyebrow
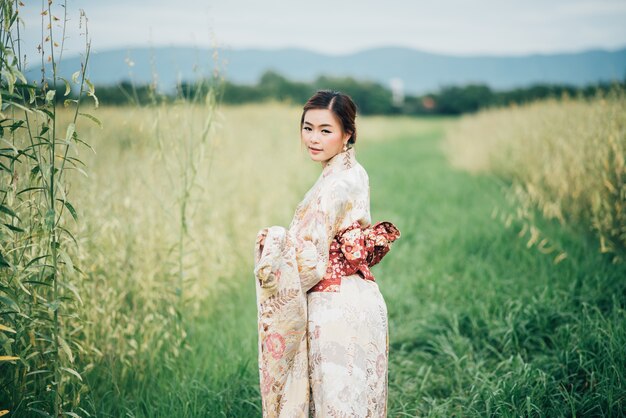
(322, 125)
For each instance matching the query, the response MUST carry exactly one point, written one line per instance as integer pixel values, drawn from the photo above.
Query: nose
(315, 137)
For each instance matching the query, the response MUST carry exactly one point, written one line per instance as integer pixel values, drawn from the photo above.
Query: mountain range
(419, 71)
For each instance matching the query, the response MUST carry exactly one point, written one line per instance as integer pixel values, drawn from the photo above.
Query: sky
(453, 27)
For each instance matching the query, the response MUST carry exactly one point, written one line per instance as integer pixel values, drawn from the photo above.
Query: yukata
(322, 321)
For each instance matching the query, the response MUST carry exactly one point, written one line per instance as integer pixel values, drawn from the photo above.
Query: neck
(340, 161)
(325, 163)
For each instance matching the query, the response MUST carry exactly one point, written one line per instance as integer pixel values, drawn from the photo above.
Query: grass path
(479, 324)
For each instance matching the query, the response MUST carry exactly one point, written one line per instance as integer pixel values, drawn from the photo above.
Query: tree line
(372, 98)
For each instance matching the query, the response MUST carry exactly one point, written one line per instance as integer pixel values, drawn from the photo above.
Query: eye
(306, 128)
(326, 131)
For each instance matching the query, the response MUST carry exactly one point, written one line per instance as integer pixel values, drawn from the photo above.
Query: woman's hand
(261, 239)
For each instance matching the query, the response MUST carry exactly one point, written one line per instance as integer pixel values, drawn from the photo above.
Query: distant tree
(370, 97)
(278, 87)
(455, 100)
(124, 93)
(236, 94)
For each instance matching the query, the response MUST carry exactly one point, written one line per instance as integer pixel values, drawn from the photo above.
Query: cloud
(331, 26)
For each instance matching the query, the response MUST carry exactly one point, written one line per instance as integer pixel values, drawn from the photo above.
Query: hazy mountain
(420, 72)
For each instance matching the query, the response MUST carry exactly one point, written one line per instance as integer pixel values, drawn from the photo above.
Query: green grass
(480, 325)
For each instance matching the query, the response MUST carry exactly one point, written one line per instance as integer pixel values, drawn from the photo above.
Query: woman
(323, 337)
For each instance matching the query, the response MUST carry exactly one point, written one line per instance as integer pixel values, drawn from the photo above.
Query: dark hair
(340, 104)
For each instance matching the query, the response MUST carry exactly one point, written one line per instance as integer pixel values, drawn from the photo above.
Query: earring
(345, 147)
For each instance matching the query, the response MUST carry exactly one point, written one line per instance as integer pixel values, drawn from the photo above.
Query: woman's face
(322, 135)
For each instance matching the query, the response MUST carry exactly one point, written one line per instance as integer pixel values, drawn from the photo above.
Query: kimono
(322, 321)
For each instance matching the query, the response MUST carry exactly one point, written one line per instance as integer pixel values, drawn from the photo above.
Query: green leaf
(9, 302)
(13, 228)
(16, 125)
(73, 239)
(13, 18)
(69, 207)
(4, 262)
(77, 139)
(28, 189)
(34, 260)
(8, 211)
(75, 76)
(47, 112)
(37, 282)
(75, 160)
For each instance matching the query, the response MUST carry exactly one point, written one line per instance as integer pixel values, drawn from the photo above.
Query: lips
(314, 149)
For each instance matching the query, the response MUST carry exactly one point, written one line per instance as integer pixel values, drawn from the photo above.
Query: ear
(346, 137)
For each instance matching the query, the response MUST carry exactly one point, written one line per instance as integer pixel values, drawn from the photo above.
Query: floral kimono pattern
(322, 321)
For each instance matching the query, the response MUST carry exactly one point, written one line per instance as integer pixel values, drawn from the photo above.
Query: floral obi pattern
(354, 250)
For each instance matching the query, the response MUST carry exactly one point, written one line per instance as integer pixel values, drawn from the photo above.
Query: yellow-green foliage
(129, 209)
(565, 158)
(253, 173)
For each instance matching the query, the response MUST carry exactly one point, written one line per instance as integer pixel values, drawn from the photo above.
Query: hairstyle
(340, 104)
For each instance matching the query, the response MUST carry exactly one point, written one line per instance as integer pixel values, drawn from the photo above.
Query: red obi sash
(354, 250)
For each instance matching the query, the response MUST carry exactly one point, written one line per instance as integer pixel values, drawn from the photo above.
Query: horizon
(355, 52)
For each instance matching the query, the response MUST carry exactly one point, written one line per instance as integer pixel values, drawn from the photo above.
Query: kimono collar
(339, 162)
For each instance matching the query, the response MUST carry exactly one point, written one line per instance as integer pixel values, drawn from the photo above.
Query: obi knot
(354, 250)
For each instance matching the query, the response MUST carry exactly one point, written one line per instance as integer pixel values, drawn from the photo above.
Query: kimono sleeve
(314, 234)
(267, 258)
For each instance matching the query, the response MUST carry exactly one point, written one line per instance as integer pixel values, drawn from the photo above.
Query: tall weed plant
(98, 288)
(40, 353)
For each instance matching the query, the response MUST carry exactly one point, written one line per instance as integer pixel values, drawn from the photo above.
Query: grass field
(480, 325)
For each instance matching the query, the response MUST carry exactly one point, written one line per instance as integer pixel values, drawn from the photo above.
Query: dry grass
(565, 158)
(130, 225)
